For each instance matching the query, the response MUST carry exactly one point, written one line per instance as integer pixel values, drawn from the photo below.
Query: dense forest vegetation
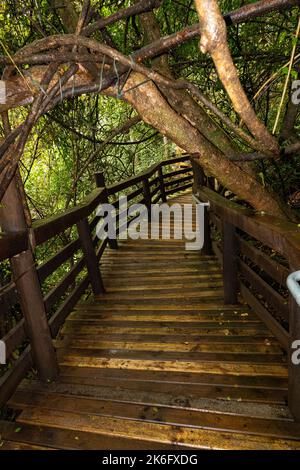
(86, 133)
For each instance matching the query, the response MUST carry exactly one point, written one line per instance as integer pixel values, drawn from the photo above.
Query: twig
(287, 77)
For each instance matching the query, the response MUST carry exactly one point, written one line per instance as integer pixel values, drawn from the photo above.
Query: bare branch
(214, 41)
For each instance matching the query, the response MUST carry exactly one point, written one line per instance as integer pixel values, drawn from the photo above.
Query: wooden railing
(82, 253)
(257, 253)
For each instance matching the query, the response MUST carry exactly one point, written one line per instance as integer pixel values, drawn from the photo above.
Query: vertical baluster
(162, 185)
(230, 278)
(198, 174)
(147, 194)
(90, 256)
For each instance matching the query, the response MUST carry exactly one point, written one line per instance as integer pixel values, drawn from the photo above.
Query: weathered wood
(172, 366)
(207, 245)
(271, 322)
(9, 298)
(147, 194)
(198, 175)
(274, 299)
(48, 267)
(63, 311)
(29, 289)
(90, 256)
(155, 192)
(33, 309)
(278, 272)
(179, 189)
(216, 222)
(117, 187)
(59, 290)
(14, 338)
(230, 279)
(162, 185)
(177, 181)
(12, 243)
(68, 439)
(13, 376)
(281, 236)
(47, 228)
(134, 194)
(146, 379)
(218, 252)
(164, 414)
(181, 171)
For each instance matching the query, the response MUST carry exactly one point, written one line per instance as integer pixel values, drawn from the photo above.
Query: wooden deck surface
(159, 362)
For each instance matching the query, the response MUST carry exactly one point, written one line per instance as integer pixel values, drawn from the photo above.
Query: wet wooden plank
(218, 317)
(238, 368)
(154, 432)
(164, 355)
(68, 439)
(230, 393)
(201, 418)
(186, 346)
(159, 362)
(185, 378)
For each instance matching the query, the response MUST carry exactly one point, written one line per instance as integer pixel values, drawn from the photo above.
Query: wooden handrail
(117, 187)
(281, 236)
(251, 269)
(47, 228)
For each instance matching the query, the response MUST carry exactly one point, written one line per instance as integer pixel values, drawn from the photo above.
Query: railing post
(29, 289)
(147, 194)
(162, 185)
(294, 369)
(90, 256)
(207, 245)
(100, 183)
(293, 355)
(200, 180)
(198, 174)
(230, 275)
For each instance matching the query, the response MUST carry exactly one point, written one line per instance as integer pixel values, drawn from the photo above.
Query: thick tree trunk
(154, 110)
(177, 116)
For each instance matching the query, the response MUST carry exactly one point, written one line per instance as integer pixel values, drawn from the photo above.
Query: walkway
(159, 362)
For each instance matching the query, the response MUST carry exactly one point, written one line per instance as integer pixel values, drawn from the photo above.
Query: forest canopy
(119, 85)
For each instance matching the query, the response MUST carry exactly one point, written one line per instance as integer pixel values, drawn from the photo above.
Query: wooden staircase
(159, 362)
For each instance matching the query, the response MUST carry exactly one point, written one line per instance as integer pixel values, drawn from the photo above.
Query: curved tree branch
(214, 41)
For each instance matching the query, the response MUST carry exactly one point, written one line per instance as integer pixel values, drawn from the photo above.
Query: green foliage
(66, 146)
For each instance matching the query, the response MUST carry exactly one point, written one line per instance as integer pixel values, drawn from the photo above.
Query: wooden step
(152, 412)
(159, 362)
(188, 436)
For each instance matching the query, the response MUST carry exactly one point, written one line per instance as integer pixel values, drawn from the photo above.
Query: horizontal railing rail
(12, 244)
(62, 290)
